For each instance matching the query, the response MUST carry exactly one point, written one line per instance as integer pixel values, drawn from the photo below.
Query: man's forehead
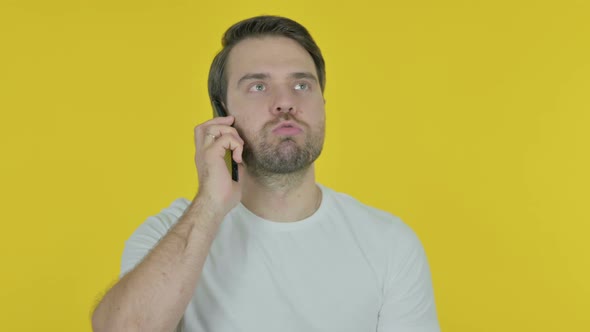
(275, 56)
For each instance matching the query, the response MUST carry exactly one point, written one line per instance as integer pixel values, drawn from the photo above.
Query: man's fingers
(229, 142)
(220, 130)
(225, 121)
(237, 154)
(215, 131)
(220, 120)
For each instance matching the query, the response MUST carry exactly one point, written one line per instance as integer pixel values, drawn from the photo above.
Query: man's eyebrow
(262, 76)
(253, 76)
(307, 75)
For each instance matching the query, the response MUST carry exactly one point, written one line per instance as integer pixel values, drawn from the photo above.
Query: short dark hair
(260, 26)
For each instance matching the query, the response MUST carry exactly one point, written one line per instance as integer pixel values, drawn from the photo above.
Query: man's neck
(282, 198)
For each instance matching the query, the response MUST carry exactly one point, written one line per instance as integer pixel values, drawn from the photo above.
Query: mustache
(282, 118)
(265, 130)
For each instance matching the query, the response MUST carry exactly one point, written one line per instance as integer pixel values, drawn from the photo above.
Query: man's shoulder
(176, 209)
(169, 215)
(376, 228)
(358, 212)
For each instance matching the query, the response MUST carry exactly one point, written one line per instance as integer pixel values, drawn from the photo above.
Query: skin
(260, 104)
(155, 294)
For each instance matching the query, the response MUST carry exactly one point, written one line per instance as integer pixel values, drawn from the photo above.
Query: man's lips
(287, 128)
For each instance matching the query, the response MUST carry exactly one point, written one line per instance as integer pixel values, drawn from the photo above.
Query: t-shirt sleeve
(408, 304)
(148, 234)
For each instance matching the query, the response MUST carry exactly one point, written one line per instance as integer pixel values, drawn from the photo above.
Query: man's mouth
(287, 128)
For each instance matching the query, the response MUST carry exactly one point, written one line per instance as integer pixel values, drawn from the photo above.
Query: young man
(274, 251)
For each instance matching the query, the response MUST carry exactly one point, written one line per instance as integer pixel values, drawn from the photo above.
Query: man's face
(274, 94)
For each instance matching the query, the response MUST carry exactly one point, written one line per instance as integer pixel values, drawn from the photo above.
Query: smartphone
(219, 110)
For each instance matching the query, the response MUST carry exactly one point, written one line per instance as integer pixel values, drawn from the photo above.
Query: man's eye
(301, 86)
(258, 87)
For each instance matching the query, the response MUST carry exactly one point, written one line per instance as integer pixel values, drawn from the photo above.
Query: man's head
(261, 26)
(270, 75)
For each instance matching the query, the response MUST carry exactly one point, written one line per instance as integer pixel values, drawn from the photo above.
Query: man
(274, 251)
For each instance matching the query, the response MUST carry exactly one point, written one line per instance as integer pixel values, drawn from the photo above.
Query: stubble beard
(269, 157)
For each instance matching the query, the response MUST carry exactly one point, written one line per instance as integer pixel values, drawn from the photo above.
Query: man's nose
(284, 102)
(285, 109)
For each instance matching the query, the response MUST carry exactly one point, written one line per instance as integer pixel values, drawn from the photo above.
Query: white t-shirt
(348, 267)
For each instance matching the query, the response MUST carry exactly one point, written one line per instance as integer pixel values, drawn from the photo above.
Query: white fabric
(348, 267)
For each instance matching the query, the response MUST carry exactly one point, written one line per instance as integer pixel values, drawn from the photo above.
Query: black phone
(219, 110)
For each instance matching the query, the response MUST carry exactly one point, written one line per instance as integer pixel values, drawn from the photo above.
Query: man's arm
(154, 295)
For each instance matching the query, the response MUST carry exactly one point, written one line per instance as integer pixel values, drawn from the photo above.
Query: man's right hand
(216, 187)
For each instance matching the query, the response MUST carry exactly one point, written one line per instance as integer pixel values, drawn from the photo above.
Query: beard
(267, 156)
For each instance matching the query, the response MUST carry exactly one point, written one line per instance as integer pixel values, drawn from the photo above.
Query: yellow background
(469, 120)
